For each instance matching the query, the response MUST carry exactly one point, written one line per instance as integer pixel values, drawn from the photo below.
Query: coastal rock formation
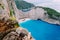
(18, 34)
(10, 30)
(38, 13)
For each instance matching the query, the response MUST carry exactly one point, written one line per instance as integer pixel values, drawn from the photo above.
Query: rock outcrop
(18, 34)
(10, 30)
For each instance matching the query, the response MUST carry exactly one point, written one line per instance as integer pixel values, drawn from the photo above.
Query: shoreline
(26, 19)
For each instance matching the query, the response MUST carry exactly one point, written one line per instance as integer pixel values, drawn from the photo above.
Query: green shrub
(11, 12)
(23, 4)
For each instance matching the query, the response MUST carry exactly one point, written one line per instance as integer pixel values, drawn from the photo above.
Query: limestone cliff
(4, 9)
(39, 13)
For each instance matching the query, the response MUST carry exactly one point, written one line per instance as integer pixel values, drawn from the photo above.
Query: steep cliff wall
(4, 11)
(16, 11)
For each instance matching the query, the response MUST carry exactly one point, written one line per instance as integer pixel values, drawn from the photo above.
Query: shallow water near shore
(41, 30)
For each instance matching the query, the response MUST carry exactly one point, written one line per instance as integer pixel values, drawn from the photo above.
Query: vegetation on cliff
(51, 12)
(23, 4)
(1, 6)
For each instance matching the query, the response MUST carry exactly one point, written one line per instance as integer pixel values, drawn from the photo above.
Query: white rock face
(34, 14)
(4, 12)
(37, 13)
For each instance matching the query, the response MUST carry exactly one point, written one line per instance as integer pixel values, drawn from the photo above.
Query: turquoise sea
(41, 30)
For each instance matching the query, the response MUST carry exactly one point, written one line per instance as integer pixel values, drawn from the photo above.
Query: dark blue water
(42, 30)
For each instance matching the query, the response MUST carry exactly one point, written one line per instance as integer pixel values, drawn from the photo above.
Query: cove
(41, 30)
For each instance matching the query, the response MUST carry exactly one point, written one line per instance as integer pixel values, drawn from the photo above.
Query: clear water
(41, 30)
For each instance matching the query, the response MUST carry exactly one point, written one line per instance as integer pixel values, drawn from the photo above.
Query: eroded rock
(18, 34)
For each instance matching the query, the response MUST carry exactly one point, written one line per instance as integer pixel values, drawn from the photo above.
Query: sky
(55, 4)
